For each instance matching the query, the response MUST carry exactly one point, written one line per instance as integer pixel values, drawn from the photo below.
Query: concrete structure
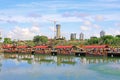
(81, 36)
(73, 36)
(102, 33)
(58, 33)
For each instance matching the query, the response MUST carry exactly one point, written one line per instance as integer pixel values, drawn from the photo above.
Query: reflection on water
(71, 60)
(32, 59)
(44, 67)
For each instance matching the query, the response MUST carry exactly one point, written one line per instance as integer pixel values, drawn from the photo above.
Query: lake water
(43, 67)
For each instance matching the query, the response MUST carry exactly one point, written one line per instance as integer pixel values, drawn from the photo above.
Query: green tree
(117, 36)
(7, 41)
(30, 43)
(93, 40)
(44, 39)
(40, 39)
(36, 39)
(108, 39)
(116, 41)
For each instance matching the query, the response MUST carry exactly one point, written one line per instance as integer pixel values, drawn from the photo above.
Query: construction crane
(54, 21)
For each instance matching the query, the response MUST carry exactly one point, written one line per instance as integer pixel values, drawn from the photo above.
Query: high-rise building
(58, 33)
(102, 33)
(73, 36)
(81, 36)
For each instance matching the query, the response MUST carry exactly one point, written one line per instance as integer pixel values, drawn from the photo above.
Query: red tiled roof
(64, 46)
(6, 46)
(41, 47)
(96, 46)
(21, 46)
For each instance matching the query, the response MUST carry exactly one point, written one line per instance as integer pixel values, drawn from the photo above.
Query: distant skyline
(23, 19)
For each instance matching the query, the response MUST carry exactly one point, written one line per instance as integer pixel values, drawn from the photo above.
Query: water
(43, 67)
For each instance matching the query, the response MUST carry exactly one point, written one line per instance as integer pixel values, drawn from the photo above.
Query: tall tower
(73, 36)
(102, 33)
(58, 33)
(81, 36)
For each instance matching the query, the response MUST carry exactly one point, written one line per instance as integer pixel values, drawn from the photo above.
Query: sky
(23, 19)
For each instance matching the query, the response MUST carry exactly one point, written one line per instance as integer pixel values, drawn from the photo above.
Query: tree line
(107, 39)
(37, 40)
(40, 40)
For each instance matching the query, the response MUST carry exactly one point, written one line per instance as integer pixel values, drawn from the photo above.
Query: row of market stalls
(89, 50)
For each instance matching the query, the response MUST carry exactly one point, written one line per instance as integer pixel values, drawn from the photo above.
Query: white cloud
(67, 14)
(60, 18)
(102, 4)
(34, 15)
(35, 29)
(99, 18)
(20, 19)
(53, 29)
(10, 34)
(23, 33)
(117, 24)
(75, 14)
(84, 28)
(112, 17)
(65, 34)
(113, 31)
(40, 11)
(96, 26)
(87, 23)
(43, 18)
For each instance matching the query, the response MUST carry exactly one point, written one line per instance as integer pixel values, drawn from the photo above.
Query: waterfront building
(73, 36)
(58, 32)
(102, 33)
(81, 36)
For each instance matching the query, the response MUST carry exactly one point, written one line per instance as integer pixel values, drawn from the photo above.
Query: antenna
(54, 21)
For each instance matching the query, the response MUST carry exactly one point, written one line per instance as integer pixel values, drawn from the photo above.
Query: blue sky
(23, 19)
